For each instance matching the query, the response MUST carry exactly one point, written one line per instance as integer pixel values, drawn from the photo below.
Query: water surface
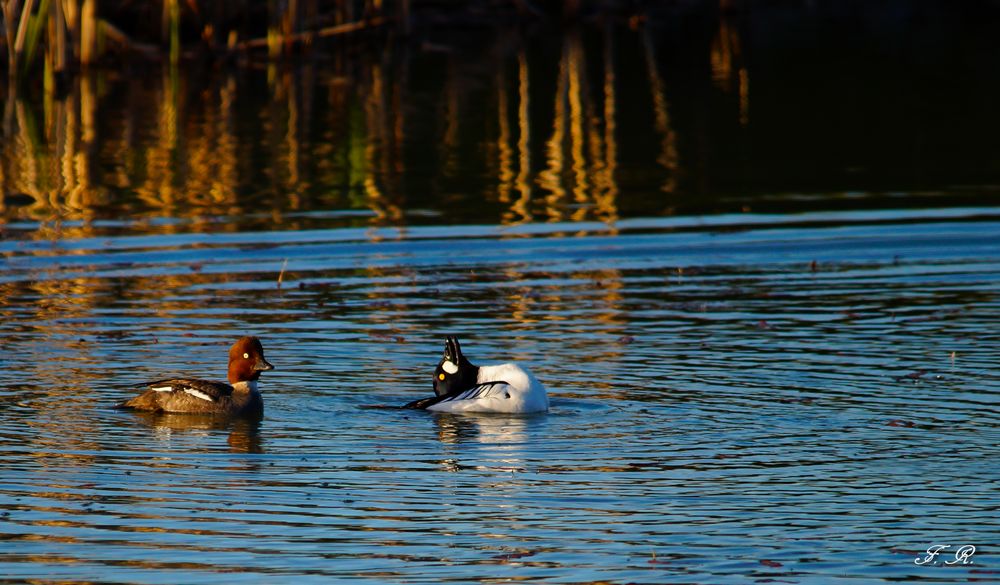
(801, 398)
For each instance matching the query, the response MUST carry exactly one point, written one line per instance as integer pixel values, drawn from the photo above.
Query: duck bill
(262, 366)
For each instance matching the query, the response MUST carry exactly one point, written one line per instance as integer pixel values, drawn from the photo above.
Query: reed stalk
(290, 19)
(71, 15)
(274, 39)
(88, 32)
(58, 38)
(72, 31)
(174, 15)
(21, 37)
(35, 26)
(55, 49)
(10, 10)
(48, 69)
(310, 14)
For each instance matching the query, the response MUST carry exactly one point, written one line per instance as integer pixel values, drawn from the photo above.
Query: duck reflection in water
(244, 432)
(508, 438)
(484, 428)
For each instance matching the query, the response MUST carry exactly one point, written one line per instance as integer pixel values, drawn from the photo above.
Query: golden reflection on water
(505, 154)
(551, 179)
(583, 133)
(727, 63)
(516, 196)
(606, 196)
(337, 137)
(668, 157)
(379, 153)
(578, 119)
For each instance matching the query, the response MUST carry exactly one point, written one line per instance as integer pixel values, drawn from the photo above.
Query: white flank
(514, 390)
(449, 367)
(163, 389)
(198, 394)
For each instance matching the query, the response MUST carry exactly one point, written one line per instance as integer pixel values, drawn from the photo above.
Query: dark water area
(752, 251)
(695, 109)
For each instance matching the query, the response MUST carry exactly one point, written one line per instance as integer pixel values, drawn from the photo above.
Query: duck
(460, 386)
(193, 396)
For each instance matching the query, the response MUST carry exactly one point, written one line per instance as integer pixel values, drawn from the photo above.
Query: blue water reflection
(804, 398)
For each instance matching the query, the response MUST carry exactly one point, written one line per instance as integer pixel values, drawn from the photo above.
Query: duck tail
(423, 403)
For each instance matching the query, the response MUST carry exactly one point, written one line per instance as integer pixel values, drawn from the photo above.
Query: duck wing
(202, 389)
(178, 395)
(479, 391)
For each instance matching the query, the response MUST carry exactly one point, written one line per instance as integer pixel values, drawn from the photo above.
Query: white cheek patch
(163, 389)
(449, 367)
(249, 386)
(198, 394)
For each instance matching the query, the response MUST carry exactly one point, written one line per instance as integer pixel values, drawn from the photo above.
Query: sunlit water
(803, 397)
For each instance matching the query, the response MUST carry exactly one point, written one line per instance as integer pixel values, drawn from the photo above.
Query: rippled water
(800, 397)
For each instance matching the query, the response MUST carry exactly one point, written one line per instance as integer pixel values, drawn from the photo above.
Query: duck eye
(246, 356)
(440, 376)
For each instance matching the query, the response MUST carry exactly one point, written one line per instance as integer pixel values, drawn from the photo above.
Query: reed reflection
(606, 185)
(729, 68)
(380, 180)
(581, 151)
(378, 135)
(668, 156)
(515, 189)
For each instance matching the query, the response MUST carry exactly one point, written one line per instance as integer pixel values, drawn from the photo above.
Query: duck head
(246, 360)
(454, 373)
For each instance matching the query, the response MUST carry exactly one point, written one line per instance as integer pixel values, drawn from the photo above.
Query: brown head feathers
(246, 360)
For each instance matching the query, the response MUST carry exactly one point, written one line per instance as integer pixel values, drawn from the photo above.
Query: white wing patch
(198, 394)
(488, 390)
(449, 367)
(163, 389)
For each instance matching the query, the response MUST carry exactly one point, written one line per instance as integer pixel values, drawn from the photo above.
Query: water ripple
(801, 398)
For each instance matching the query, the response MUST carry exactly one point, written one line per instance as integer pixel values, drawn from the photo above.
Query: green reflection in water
(592, 123)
